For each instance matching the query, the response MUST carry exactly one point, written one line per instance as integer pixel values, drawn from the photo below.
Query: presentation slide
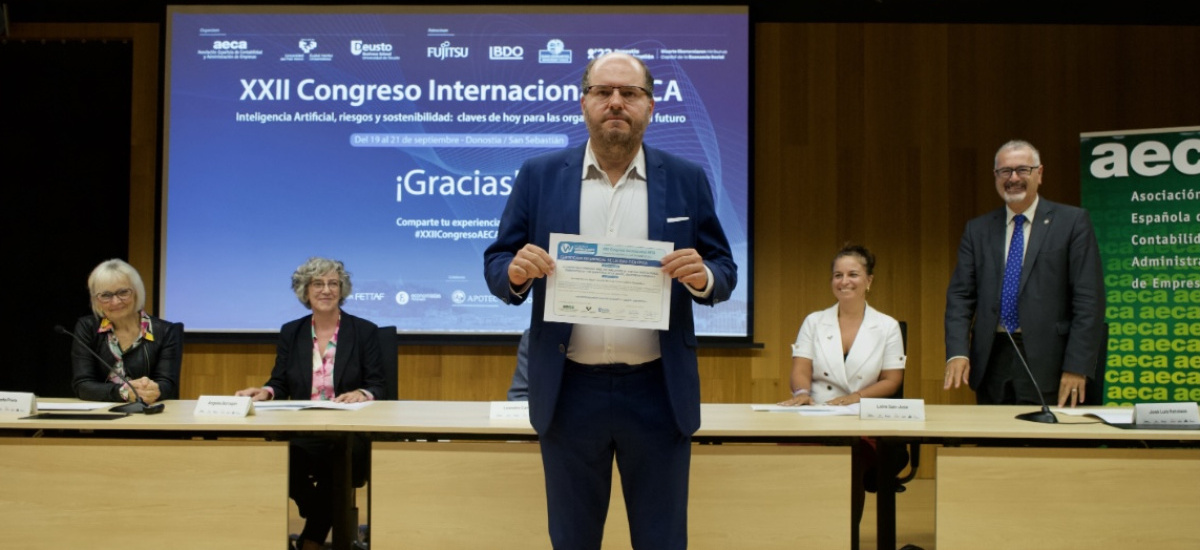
(388, 137)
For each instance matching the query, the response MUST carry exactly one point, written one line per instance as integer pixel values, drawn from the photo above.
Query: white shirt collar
(592, 170)
(1028, 211)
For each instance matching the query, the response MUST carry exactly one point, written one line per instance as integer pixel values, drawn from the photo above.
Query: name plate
(224, 405)
(891, 409)
(509, 410)
(1166, 414)
(14, 402)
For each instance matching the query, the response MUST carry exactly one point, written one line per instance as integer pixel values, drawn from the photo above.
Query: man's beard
(616, 137)
(1015, 193)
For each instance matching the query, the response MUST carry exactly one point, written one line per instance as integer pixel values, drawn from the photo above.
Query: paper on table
(1110, 415)
(286, 405)
(811, 410)
(87, 406)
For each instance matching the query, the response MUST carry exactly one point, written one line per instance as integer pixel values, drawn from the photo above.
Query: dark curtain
(64, 164)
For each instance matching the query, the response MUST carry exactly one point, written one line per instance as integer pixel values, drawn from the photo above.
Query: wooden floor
(914, 516)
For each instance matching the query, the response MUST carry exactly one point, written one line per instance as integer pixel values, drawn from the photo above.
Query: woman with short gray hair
(327, 355)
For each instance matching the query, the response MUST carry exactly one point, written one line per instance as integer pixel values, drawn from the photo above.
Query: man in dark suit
(1048, 295)
(596, 392)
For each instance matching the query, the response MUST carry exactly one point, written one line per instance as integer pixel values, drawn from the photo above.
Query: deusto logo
(506, 53)
(230, 45)
(357, 47)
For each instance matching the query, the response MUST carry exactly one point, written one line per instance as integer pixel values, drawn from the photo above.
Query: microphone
(138, 406)
(1044, 416)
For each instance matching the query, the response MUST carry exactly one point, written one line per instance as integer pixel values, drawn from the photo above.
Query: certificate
(603, 281)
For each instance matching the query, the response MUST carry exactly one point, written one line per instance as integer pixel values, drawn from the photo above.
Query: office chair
(885, 498)
(914, 448)
(362, 470)
(391, 373)
(1093, 390)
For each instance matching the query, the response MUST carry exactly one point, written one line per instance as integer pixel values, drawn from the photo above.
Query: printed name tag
(13, 402)
(224, 405)
(1174, 414)
(510, 410)
(891, 409)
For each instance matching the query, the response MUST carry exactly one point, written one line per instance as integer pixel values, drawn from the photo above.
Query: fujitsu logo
(445, 51)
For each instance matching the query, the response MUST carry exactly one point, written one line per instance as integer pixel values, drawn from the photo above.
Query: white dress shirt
(619, 210)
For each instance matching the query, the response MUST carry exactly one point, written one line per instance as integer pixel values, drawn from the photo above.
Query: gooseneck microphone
(138, 406)
(1044, 416)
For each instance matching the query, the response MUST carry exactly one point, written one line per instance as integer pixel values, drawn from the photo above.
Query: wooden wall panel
(881, 134)
(221, 369)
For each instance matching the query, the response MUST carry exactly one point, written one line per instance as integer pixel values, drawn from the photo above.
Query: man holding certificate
(602, 382)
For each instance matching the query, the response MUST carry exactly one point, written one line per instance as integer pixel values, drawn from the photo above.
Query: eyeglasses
(322, 285)
(124, 294)
(1021, 171)
(605, 92)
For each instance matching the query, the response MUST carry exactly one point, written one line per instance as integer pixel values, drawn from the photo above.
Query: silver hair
(114, 270)
(1014, 144)
(314, 268)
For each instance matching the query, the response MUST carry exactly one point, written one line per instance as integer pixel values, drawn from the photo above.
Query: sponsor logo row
(554, 52)
(404, 298)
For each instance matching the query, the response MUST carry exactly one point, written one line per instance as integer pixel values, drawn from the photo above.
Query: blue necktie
(1012, 275)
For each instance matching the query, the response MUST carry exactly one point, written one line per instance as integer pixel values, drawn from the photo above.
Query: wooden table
(446, 476)
(1000, 479)
(459, 480)
(170, 480)
(1075, 484)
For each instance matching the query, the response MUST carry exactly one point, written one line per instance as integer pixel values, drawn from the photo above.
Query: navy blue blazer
(358, 363)
(545, 199)
(1060, 298)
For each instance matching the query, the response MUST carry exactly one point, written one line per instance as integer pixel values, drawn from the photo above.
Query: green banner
(1142, 188)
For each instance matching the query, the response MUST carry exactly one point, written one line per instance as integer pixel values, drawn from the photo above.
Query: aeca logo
(230, 45)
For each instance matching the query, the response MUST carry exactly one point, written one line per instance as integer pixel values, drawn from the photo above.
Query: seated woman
(145, 349)
(328, 355)
(850, 351)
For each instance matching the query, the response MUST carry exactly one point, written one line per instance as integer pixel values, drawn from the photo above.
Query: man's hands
(687, 266)
(530, 262)
(958, 372)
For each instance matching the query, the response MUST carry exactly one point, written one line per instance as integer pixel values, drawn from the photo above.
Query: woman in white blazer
(851, 350)
(848, 352)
